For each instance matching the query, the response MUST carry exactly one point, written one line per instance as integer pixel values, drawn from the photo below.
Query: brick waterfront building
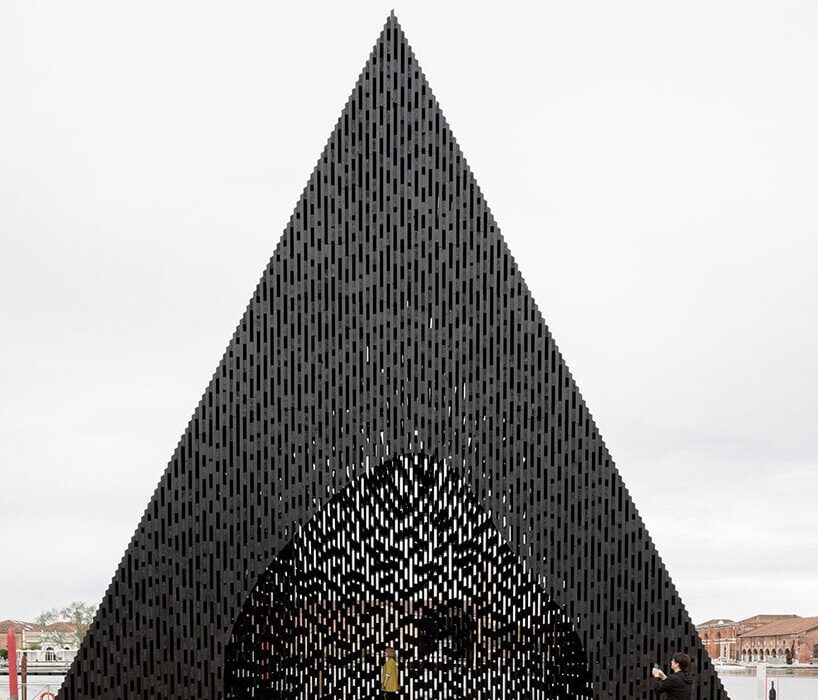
(720, 637)
(778, 641)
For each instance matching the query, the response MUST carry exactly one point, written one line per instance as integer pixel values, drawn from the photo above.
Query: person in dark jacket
(679, 685)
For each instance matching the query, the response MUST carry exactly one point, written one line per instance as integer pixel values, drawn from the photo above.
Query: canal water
(739, 686)
(36, 685)
(790, 684)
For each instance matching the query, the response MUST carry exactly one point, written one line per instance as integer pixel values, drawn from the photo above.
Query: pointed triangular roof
(390, 319)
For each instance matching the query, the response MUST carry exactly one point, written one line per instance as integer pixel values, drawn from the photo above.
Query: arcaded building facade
(793, 640)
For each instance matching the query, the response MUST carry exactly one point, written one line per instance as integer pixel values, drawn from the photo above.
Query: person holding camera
(679, 684)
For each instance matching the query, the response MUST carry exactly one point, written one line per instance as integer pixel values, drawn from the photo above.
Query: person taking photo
(679, 684)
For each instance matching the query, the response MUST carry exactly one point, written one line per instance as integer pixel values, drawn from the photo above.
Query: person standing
(679, 685)
(389, 675)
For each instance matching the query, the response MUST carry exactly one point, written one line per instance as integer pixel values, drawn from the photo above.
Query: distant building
(58, 635)
(53, 637)
(720, 636)
(776, 642)
(756, 621)
(18, 626)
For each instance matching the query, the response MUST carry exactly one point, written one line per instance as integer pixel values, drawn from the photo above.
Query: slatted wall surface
(403, 556)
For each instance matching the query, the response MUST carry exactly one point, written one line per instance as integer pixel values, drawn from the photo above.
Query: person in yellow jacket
(389, 675)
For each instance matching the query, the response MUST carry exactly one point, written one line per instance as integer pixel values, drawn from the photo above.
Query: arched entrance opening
(404, 556)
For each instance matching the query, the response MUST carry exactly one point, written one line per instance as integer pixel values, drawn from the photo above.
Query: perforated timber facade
(391, 451)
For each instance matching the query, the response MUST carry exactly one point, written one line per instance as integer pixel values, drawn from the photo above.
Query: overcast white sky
(652, 165)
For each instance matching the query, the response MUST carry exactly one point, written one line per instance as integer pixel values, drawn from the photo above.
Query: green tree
(53, 635)
(80, 615)
(48, 617)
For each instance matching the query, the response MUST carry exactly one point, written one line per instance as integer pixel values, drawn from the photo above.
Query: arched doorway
(404, 556)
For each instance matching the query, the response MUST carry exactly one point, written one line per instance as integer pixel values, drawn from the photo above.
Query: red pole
(12, 646)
